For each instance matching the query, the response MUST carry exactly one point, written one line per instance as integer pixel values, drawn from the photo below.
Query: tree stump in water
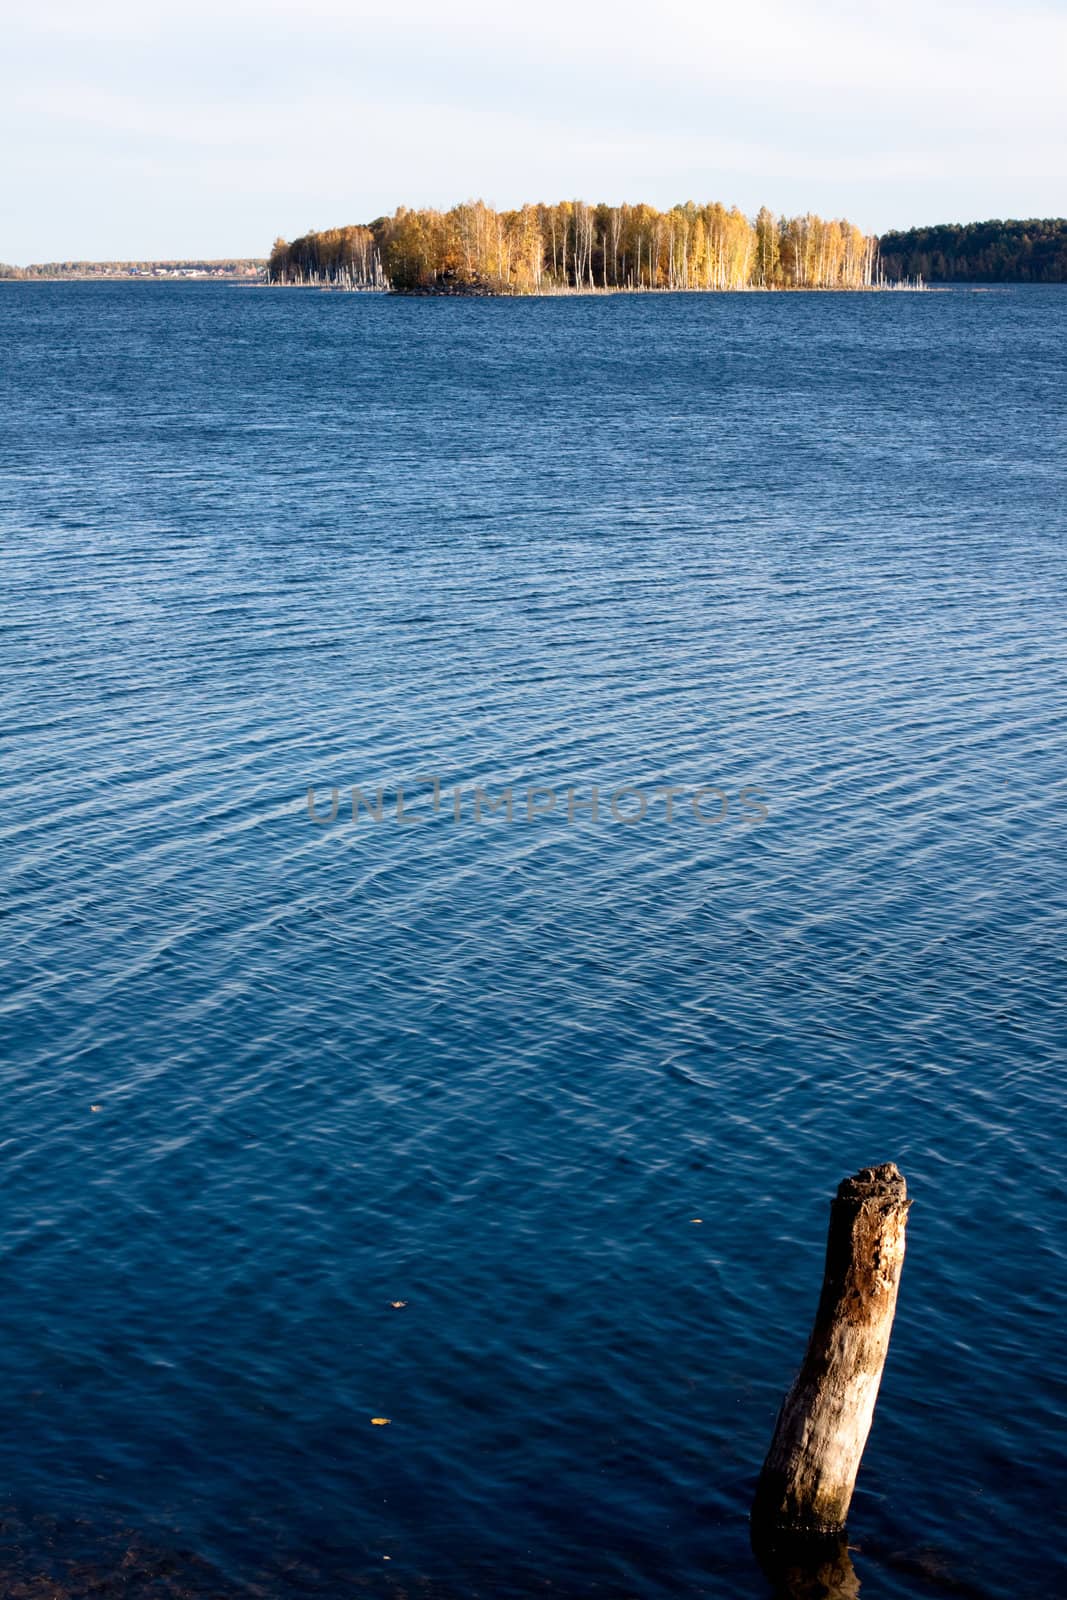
(810, 1472)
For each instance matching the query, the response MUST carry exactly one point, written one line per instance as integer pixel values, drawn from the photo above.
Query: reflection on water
(806, 1569)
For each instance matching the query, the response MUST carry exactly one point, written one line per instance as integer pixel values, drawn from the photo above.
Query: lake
(574, 1088)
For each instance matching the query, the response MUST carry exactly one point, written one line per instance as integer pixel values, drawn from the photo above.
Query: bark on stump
(810, 1472)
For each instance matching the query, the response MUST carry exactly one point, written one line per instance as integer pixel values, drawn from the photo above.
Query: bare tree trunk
(810, 1472)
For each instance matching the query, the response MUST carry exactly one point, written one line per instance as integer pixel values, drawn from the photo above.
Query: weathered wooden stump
(810, 1472)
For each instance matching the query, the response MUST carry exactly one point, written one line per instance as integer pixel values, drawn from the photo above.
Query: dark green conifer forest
(979, 252)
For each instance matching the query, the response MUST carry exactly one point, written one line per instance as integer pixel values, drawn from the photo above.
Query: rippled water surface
(263, 1077)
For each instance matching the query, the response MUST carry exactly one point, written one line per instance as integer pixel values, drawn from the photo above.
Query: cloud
(257, 112)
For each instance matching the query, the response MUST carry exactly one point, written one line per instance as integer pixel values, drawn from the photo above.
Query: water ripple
(265, 1078)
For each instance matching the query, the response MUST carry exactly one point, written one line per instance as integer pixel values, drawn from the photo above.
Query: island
(574, 247)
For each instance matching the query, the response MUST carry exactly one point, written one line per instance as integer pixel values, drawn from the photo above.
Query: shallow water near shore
(576, 1092)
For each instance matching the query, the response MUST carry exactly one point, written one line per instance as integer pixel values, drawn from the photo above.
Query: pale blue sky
(206, 127)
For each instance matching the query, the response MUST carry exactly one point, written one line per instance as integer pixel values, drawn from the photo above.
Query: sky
(209, 127)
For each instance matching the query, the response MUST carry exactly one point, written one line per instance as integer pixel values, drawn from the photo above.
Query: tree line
(228, 267)
(980, 252)
(542, 249)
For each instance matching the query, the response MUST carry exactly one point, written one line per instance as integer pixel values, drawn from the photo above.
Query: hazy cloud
(208, 128)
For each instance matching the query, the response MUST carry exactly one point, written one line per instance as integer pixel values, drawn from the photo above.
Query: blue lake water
(256, 540)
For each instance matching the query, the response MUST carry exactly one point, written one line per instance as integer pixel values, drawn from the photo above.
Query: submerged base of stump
(806, 1566)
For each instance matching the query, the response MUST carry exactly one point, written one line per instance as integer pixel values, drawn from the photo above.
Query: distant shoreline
(178, 269)
(959, 285)
(573, 248)
(558, 292)
(118, 277)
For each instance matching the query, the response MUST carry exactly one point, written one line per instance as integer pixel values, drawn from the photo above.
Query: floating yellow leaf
(381, 1422)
